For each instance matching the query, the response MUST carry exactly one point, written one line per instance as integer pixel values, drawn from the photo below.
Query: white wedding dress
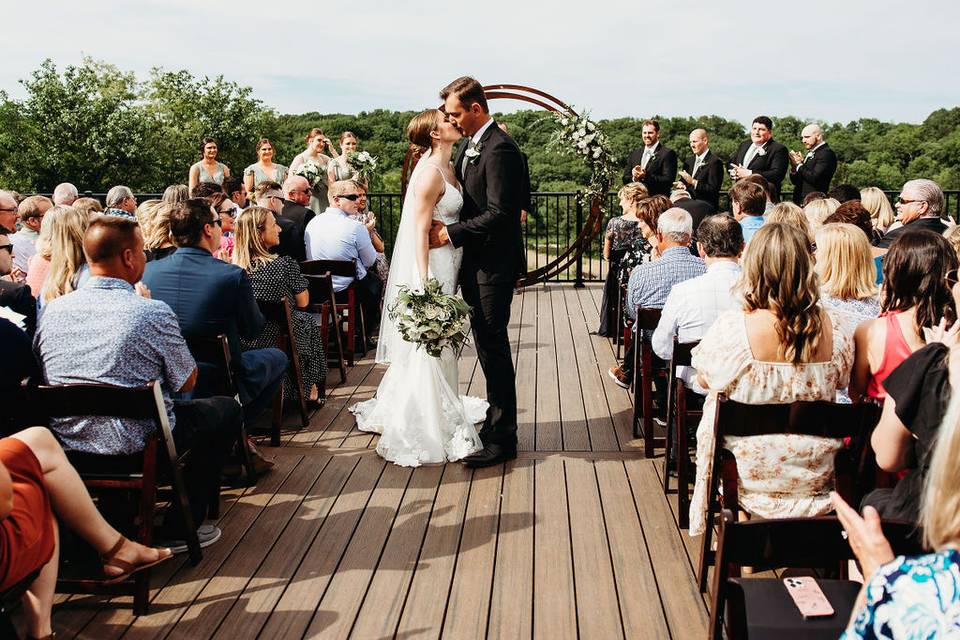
(418, 411)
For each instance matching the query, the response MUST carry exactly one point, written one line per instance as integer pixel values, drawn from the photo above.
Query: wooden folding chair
(281, 315)
(678, 419)
(822, 419)
(647, 320)
(762, 607)
(324, 303)
(138, 472)
(213, 356)
(352, 307)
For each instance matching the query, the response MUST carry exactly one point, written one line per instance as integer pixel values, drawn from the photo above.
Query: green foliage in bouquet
(431, 319)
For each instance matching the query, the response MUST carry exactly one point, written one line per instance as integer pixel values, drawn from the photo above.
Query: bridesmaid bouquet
(431, 319)
(312, 172)
(362, 163)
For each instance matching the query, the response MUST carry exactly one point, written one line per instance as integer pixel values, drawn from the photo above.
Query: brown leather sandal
(109, 559)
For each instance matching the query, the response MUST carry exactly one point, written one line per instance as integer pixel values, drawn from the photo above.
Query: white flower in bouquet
(311, 171)
(362, 163)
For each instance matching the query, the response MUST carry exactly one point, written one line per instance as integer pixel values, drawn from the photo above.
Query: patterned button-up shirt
(651, 282)
(105, 333)
(112, 211)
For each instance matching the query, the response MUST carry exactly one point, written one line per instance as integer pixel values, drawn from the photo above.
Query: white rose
(564, 121)
(597, 152)
(591, 126)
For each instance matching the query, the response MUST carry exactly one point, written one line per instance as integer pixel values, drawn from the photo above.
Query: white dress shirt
(479, 134)
(648, 153)
(691, 308)
(698, 162)
(333, 236)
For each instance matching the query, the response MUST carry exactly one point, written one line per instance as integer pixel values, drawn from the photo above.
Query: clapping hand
(438, 234)
(371, 222)
(864, 534)
(686, 177)
(737, 172)
(638, 173)
(795, 158)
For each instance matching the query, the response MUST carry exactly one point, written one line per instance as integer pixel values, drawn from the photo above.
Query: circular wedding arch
(569, 256)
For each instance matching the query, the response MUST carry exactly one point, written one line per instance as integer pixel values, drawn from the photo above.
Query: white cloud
(835, 61)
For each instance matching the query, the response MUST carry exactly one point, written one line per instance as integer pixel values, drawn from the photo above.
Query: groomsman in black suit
(652, 164)
(763, 155)
(703, 171)
(813, 171)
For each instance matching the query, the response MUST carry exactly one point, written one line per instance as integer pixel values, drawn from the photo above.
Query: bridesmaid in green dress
(208, 169)
(338, 168)
(316, 141)
(265, 169)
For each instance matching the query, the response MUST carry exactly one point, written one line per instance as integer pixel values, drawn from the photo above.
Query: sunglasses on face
(903, 201)
(7, 247)
(352, 197)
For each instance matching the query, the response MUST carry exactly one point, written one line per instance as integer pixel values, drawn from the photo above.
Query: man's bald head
(113, 246)
(65, 193)
(812, 135)
(699, 141)
(296, 189)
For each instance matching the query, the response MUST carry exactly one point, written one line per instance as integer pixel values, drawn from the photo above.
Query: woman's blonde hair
(845, 262)
(249, 250)
(789, 213)
(634, 192)
(66, 250)
(154, 219)
(952, 235)
(876, 202)
(819, 210)
(940, 508)
(87, 206)
(778, 276)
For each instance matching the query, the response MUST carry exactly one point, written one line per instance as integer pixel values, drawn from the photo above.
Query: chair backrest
(212, 354)
(279, 313)
(647, 319)
(819, 418)
(133, 403)
(320, 287)
(682, 352)
(346, 268)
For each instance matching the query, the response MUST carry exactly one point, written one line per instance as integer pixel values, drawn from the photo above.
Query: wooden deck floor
(572, 539)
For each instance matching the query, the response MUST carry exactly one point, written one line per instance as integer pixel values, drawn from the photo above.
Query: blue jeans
(259, 377)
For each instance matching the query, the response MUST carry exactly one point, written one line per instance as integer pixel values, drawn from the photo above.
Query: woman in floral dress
(622, 231)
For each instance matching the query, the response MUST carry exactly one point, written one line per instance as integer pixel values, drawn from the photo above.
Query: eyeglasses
(217, 221)
(7, 210)
(228, 212)
(352, 197)
(8, 247)
(903, 202)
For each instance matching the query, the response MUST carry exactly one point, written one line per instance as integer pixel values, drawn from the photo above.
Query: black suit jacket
(494, 191)
(300, 214)
(814, 174)
(661, 170)
(20, 299)
(931, 224)
(709, 179)
(291, 240)
(772, 165)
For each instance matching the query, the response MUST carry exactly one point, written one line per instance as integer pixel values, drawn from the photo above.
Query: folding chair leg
(671, 419)
(141, 594)
(277, 421)
(245, 458)
(706, 554)
(683, 457)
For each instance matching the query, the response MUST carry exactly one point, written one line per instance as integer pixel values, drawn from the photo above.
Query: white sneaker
(207, 534)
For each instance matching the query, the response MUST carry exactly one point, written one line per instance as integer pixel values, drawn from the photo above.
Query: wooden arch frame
(591, 225)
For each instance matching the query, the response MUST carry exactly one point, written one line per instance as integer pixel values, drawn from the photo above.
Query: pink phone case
(808, 597)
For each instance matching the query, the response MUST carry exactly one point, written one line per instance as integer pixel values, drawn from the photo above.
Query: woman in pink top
(918, 272)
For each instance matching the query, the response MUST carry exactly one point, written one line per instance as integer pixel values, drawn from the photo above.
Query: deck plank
(527, 372)
(573, 419)
(554, 595)
(548, 433)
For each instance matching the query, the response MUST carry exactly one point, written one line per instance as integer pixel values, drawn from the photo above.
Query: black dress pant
(490, 317)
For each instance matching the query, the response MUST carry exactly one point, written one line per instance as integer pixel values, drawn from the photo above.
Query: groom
(490, 168)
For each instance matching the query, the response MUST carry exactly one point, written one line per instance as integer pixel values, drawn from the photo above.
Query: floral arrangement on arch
(579, 135)
(363, 164)
(312, 172)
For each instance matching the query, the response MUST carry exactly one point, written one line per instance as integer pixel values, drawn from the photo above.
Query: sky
(830, 61)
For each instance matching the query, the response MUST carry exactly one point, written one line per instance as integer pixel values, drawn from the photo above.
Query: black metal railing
(554, 222)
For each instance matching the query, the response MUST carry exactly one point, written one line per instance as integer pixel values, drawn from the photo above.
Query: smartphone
(808, 597)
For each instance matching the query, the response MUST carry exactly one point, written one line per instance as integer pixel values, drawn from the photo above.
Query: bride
(417, 410)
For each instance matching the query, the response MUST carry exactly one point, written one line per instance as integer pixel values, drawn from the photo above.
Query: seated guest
(175, 194)
(275, 278)
(779, 347)
(19, 364)
(916, 294)
(228, 212)
(65, 193)
(819, 210)
(853, 212)
(698, 209)
(270, 196)
(15, 296)
(332, 235)
(296, 197)
(642, 249)
(756, 178)
(748, 202)
(693, 305)
(68, 267)
(881, 213)
(844, 192)
(211, 297)
(105, 333)
(121, 202)
(233, 187)
(789, 213)
(8, 212)
(845, 266)
(37, 480)
(650, 283)
(154, 219)
(920, 205)
(31, 212)
(813, 195)
(39, 265)
(621, 233)
(87, 206)
(369, 220)
(912, 597)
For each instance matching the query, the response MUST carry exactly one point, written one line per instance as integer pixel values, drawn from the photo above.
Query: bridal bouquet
(431, 319)
(312, 172)
(362, 163)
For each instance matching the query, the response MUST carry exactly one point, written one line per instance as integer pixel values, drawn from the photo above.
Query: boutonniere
(473, 152)
(761, 152)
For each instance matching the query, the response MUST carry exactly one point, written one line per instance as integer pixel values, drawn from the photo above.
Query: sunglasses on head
(352, 197)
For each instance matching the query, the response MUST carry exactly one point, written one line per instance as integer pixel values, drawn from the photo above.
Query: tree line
(96, 125)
